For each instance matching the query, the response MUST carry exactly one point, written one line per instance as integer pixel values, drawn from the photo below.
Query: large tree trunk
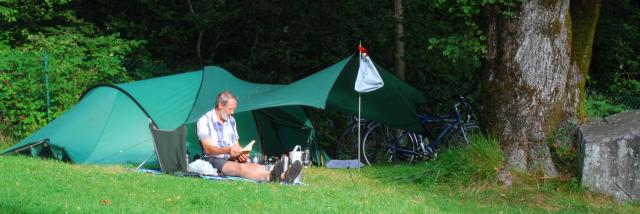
(399, 67)
(533, 77)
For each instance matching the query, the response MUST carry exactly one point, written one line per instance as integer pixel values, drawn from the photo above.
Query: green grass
(459, 181)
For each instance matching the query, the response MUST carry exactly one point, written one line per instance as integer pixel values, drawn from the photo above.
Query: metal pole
(46, 83)
(359, 102)
(359, 106)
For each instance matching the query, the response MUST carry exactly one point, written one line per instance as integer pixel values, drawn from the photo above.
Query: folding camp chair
(170, 148)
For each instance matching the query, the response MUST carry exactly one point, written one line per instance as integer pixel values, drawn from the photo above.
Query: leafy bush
(78, 57)
(77, 60)
(600, 105)
(615, 65)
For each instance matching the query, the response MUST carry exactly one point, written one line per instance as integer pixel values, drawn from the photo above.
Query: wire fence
(629, 101)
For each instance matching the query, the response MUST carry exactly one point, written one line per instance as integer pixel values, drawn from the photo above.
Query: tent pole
(145, 160)
(32, 145)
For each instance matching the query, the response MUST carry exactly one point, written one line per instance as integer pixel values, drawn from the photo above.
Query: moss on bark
(584, 16)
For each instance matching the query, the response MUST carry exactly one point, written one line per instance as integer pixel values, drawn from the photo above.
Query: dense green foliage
(76, 61)
(267, 41)
(278, 41)
(91, 42)
(77, 58)
(614, 74)
(615, 65)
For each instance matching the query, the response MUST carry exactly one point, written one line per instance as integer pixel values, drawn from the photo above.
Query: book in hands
(247, 149)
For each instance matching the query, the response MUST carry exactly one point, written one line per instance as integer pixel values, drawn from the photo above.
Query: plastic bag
(202, 167)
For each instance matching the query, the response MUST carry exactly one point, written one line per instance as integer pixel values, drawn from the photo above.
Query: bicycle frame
(416, 140)
(456, 121)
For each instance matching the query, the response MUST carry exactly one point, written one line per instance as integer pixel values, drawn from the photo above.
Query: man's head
(226, 104)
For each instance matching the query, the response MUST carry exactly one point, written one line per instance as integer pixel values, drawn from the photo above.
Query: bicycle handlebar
(462, 105)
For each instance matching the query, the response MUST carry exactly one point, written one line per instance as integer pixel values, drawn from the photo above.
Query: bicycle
(456, 128)
(397, 144)
(346, 145)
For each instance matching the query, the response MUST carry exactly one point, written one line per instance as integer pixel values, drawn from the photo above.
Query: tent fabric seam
(334, 82)
(195, 100)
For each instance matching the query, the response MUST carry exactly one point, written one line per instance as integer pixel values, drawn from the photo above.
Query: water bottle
(306, 158)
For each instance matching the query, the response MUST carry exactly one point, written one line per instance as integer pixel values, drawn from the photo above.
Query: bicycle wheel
(347, 144)
(461, 135)
(374, 144)
(404, 148)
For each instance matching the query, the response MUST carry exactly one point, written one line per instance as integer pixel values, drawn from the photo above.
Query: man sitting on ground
(219, 138)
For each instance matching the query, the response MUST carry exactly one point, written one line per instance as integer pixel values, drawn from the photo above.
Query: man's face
(228, 109)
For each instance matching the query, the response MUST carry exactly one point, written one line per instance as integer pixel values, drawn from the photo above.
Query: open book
(247, 148)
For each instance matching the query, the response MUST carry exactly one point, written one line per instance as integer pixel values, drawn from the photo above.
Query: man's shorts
(217, 163)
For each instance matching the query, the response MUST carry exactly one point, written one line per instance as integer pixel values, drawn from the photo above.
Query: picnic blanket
(208, 177)
(212, 177)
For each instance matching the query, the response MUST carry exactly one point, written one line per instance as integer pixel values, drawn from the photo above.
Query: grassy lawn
(33, 185)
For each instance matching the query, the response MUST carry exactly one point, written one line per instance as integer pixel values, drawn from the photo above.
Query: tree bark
(200, 34)
(584, 16)
(533, 80)
(399, 66)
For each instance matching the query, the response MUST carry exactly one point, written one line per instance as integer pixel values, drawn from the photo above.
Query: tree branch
(200, 33)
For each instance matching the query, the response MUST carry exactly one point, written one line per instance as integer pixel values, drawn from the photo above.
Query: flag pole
(359, 105)
(368, 80)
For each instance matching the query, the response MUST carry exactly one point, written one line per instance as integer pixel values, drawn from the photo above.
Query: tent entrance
(277, 130)
(43, 149)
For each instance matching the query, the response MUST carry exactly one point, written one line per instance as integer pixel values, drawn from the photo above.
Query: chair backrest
(170, 148)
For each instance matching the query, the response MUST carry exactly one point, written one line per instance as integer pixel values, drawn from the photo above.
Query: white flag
(368, 78)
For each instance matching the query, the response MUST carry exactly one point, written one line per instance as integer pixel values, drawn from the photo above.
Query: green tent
(110, 124)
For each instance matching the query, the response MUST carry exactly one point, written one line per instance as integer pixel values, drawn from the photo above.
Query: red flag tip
(362, 49)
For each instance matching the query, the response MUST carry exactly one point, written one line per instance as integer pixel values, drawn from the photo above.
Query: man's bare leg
(246, 170)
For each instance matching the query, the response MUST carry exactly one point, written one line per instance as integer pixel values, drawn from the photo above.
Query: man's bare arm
(214, 150)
